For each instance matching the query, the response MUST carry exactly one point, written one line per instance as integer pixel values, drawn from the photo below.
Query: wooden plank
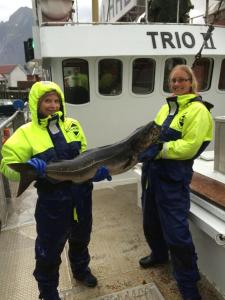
(208, 189)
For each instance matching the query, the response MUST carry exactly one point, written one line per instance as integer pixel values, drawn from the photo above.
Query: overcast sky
(8, 7)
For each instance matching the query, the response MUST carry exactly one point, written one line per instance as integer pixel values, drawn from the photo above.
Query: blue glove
(150, 153)
(101, 174)
(39, 165)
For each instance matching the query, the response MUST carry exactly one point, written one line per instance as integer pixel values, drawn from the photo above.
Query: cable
(207, 36)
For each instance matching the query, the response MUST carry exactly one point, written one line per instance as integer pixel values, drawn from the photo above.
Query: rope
(207, 36)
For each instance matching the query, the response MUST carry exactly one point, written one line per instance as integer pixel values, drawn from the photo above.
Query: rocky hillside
(12, 35)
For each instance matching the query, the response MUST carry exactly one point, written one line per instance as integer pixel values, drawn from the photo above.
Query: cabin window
(222, 76)
(203, 72)
(110, 77)
(76, 81)
(143, 76)
(169, 65)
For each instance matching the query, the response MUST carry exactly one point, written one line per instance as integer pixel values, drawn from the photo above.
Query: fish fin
(27, 175)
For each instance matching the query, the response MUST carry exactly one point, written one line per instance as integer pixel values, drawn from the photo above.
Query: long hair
(191, 76)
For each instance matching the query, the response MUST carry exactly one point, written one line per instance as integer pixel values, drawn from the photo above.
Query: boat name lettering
(177, 40)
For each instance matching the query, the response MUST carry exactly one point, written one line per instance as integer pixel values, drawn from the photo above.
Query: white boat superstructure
(126, 66)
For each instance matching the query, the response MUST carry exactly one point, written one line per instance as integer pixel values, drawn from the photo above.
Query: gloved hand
(39, 165)
(101, 174)
(150, 153)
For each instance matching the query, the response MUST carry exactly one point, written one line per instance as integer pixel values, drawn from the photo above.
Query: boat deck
(117, 244)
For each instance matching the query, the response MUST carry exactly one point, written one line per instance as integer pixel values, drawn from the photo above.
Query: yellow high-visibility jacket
(33, 140)
(193, 125)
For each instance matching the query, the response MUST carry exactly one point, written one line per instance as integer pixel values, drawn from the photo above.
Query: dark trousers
(55, 225)
(166, 204)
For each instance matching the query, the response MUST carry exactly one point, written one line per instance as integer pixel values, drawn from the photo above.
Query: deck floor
(117, 244)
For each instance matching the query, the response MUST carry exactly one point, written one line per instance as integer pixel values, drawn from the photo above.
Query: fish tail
(27, 175)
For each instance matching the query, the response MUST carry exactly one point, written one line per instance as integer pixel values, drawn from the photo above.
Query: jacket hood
(39, 89)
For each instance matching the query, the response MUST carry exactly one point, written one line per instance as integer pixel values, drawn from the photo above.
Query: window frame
(165, 80)
(112, 89)
(153, 61)
(221, 74)
(83, 91)
(210, 74)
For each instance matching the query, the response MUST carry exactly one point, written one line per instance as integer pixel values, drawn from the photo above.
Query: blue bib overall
(166, 204)
(63, 212)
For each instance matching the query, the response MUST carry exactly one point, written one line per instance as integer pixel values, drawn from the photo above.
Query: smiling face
(49, 104)
(180, 82)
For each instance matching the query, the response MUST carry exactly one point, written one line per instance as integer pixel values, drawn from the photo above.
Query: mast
(206, 10)
(94, 10)
(178, 10)
(146, 10)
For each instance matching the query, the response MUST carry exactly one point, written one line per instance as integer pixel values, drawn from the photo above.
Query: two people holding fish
(186, 130)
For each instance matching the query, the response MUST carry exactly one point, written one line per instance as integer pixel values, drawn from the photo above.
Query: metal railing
(19, 118)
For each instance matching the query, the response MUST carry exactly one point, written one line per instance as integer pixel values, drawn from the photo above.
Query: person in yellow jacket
(64, 209)
(186, 130)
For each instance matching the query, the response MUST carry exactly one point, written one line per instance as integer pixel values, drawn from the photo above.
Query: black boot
(87, 278)
(194, 298)
(149, 261)
(51, 295)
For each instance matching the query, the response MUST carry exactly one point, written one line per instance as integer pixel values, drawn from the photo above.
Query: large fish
(118, 158)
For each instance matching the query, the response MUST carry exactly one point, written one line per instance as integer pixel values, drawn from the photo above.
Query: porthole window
(110, 77)
(169, 65)
(76, 81)
(222, 76)
(203, 71)
(143, 76)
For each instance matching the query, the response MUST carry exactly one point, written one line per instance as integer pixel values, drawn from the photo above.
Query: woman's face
(49, 104)
(180, 82)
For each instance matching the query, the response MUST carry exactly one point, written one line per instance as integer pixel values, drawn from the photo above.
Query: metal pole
(178, 10)
(206, 11)
(4, 185)
(146, 10)
(94, 10)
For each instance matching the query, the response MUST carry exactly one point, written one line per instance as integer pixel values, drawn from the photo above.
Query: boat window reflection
(222, 76)
(110, 77)
(143, 76)
(169, 65)
(76, 81)
(203, 71)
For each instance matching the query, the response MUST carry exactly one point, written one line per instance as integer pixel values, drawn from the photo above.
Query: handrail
(9, 120)
(49, 24)
(14, 121)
